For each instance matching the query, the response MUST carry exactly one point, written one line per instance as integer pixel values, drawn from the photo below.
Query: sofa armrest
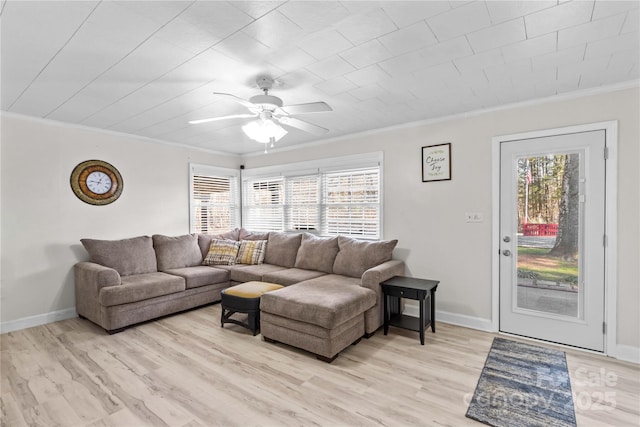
(372, 277)
(374, 317)
(91, 277)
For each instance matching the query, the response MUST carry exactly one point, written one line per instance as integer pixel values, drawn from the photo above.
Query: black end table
(415, 289)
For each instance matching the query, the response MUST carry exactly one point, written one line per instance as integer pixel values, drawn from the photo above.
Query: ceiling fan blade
(213, 119)
(236, 99)
(302, 125)
(311, 107)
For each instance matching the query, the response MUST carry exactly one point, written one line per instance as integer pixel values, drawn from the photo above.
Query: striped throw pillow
(222, 252)
(251, 252)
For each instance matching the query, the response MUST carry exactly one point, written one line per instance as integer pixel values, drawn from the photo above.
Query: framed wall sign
(436, 162)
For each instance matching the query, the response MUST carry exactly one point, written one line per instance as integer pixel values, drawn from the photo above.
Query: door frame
(610, 226)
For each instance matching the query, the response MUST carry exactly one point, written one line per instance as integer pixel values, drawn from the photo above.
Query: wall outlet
(473, 216)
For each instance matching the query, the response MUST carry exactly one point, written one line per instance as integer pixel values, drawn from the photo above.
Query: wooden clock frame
(78, 182)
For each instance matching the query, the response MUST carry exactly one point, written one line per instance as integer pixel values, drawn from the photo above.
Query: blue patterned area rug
(523, 385)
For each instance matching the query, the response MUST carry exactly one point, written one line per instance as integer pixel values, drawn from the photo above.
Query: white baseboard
(37, 320)
(453, 318)
(627, 353)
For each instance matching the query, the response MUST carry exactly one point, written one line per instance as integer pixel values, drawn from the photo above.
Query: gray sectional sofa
(331, 298)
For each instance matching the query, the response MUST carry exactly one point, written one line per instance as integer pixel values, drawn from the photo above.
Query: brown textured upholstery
(327, 305)
(119, 316)
(374, 317)
(248, 273)
(324, 342)
(176, 252)
(141, 287)
(126, 256)
(317, 253)
(318, 310)
(200, 275)
(357, 256)
(283, 249)
(253, 235)
(291, 276)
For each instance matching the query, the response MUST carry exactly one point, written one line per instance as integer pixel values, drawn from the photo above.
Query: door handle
(506, 252)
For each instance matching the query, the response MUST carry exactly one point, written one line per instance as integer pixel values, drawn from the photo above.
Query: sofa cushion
(141, 287)
(251, 252)
(177, 252)
(357, 256)
(282, 248)
(204, 240)
(253, 235)
(248, 273)
(327, 305)
(317, 253)
(200, 275)
(291, 276)
(126, 256)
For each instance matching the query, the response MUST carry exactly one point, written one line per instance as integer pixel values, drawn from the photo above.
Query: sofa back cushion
(177, 252)
(357, 256)
(317, 253)
(204, 240)
(282, 249)
(222, 252)
(126, 256)
(253, 235)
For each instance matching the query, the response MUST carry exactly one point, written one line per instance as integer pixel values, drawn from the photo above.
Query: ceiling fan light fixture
(263, 130)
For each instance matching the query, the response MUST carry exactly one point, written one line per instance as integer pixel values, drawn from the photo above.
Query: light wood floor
(185, 370)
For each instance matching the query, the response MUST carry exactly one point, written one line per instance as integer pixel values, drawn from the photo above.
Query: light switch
(473, 216)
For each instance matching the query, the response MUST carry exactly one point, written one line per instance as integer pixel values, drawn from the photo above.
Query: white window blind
(303, 208)
(352, 203)
(264, 204)
(338, 196)
(215, 199)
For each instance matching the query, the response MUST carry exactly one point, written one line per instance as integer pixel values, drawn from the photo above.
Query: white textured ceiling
(148, 67)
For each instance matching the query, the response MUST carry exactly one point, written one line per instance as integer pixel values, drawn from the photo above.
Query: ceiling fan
(269, 109)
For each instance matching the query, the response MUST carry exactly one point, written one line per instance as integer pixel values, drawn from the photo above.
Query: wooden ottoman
(245, 298)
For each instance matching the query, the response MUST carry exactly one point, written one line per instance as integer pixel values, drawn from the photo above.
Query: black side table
(415, 289)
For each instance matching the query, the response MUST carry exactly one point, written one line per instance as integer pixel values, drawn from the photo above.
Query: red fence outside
(539, 229)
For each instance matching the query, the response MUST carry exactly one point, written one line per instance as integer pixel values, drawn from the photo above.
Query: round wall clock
(96, 182)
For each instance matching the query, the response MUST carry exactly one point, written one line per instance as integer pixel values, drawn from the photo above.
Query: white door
(552, 226)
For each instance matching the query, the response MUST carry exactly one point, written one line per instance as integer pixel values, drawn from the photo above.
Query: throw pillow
(222, 252)
(283, 249)
(176, 252)
(204, 240)
(317, 253)
(126, 256)
(357, 256)
(251, 252)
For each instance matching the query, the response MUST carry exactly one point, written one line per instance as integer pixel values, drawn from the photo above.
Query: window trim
(214, 171)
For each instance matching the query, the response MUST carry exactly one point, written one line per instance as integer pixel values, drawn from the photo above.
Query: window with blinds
(330, 200)
(263, 204)
(352, 203)
(215, 200)
(303, 207)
